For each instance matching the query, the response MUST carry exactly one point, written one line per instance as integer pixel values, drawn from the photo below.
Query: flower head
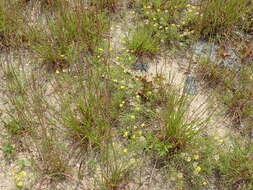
(132, 116)
(125, 150)
(20, 184)
(198, 169)
(196, 157)
(125, 134)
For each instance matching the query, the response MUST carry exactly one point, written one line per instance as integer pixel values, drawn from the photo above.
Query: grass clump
(88, 119)
(117, 168)
(178, 128)
(74, 31)
(142, 42)
(54, 163)
(110, 5)
(234, 88)
(12, 25)
(217, 18)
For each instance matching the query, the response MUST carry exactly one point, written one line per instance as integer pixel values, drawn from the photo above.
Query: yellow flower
(133, 136)
(121, 105)
(23, 173)
(196, 157)
(110, 49)
(115, 80)
(117, 57)
(221, 140)
(198, 169)
(188, 5)
(62, 55)
(143, 124)
(20, 184)
(17, 177)
(98, 56)
(135, 127)
(140, 132)
(65, 70)
(190, 10)
(125, 150)
(173, 25)
(126, 134)
(148, 7)
(122, 86)
(204, 183)
(57, 71)
(137, 96)
(132, 116)
(100, 49)
(154, 18)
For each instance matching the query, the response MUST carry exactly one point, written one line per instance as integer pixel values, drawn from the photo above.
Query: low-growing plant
(164, 17)
(8, 149)
(236, 166)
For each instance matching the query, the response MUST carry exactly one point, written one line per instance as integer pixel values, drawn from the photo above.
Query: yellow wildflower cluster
(19, 178)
